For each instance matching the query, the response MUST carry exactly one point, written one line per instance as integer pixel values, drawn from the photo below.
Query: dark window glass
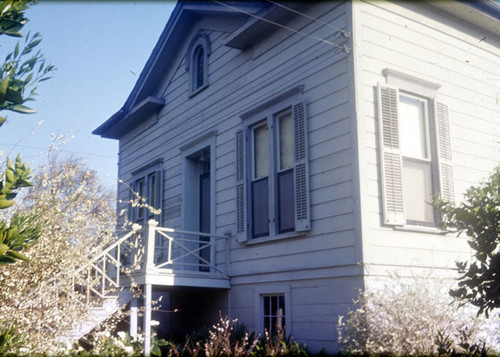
(141, 191)
(199, 62)
(260, 208)
(274, 313)
(152, 191)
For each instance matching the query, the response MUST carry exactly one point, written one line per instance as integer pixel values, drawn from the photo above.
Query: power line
(343, 47)
(344, 32)
(68, 151)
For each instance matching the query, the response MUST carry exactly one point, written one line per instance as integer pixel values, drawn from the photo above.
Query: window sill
(274, 238)
(203, 87)
(422, 229)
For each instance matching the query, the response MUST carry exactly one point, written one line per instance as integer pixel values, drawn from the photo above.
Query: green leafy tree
(20, 73)
(478, 216)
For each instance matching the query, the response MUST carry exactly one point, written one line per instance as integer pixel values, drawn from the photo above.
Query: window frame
(200, 41)
(145, 175)
(391, 156)
(269, 113)
(429, 160)
(270, 291)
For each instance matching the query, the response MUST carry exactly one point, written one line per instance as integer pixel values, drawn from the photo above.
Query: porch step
(96, 316)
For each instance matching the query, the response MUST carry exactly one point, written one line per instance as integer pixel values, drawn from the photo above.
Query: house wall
(320, 268)
(422, 41)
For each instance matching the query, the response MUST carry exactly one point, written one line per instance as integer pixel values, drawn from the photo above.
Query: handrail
(135, 228)
(180, 231)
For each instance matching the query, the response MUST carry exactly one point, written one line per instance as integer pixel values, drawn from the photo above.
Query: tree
(78, 218)
(20, 73)
(478, 216)
(23, 68)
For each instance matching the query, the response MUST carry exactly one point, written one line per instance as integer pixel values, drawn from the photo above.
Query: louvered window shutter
(241, 214)
(390, 156)
(301, 169)
(442, 125)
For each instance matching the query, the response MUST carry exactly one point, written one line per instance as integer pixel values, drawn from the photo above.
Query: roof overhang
(123, 121)
(161, 60)
(482, 13)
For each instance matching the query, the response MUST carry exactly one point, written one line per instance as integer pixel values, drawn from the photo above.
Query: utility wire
(344, 33)
(59, 150)
(343, 48)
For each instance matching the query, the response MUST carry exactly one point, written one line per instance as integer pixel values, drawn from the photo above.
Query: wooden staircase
(147, 256)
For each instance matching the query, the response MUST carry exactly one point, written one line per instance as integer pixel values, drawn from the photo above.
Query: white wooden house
(305, 140)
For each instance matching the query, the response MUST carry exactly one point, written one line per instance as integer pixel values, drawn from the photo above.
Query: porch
(154, 258)
(172, 257)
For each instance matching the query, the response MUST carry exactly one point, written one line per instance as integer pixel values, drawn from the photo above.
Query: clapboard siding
(241, 80)
(313, 317)
(424, 42)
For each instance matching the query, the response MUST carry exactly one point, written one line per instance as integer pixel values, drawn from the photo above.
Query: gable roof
(141, 100)
(252, 21)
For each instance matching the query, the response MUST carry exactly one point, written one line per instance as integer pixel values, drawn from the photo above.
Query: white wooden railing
(171, 250)
(101, 277)
(152, 250)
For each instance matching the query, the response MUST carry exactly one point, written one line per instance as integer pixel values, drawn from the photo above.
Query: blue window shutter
(301, 169)
(241, 190)
(442, 125)
(390, 156)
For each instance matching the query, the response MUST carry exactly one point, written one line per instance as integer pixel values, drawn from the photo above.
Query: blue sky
(99, 50)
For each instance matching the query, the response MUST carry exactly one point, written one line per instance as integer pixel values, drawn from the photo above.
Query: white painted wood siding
(422, 41)
(239, 81)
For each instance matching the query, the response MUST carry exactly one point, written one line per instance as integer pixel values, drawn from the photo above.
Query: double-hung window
(272, 172)
(146, 201)
(415, 155)
(146, 195)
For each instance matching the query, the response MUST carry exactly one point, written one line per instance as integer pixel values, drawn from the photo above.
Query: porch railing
(148, 250)
(171, 250)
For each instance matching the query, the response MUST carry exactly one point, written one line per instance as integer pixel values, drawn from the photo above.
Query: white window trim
(267, 111)
(441, 158)
(273, 289)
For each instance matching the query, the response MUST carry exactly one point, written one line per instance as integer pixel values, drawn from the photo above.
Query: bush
(414, 316)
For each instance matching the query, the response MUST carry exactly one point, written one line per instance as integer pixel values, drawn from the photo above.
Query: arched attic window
(197, 62)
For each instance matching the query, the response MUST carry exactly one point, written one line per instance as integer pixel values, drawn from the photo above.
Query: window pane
(285, 140)
(261, 151)
(281, 304)
(141, 191)
(152, 190)
(417, 191)
(266, 305)
(274, 313)
(260, 208)
(286, 204)
(413, 130)
(199, 67)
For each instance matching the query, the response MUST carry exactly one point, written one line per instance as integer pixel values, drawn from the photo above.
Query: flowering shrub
(77, 216)
(414, 316)
(222, 341)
